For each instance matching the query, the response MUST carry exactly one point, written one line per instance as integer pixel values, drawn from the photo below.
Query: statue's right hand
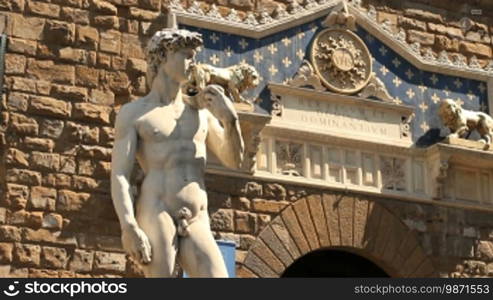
(136, 243)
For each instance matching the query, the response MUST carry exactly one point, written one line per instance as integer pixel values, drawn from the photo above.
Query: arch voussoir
(352, 224)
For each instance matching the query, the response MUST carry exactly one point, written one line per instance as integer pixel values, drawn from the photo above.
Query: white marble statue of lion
(461, 122)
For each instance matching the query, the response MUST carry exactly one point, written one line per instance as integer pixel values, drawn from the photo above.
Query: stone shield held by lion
(462, 122)
(234, 79)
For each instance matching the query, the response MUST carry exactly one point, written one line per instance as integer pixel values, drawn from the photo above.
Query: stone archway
(357, 225)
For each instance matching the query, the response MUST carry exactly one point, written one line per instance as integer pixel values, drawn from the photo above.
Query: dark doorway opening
(333, 263)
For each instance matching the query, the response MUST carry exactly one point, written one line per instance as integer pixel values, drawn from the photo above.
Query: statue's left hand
(218, 103)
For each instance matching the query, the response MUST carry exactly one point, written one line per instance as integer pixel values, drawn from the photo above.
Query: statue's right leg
(161, 232)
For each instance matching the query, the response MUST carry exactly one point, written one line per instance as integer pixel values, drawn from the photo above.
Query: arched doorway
(359, 226)
(333, 263)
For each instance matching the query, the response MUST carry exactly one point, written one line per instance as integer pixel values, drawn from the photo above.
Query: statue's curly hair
(167, 40)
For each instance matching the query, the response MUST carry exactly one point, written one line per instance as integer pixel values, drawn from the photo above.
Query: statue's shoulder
(133, 109)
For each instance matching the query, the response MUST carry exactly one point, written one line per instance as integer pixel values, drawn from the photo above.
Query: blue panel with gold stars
(278, 57)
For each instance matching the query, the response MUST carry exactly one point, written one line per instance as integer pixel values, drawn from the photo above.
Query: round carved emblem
(341, 60)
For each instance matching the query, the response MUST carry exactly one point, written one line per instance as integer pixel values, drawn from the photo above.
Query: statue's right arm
(122, 160)
(134, 240)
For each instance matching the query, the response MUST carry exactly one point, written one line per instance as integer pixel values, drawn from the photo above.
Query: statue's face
(178, 64)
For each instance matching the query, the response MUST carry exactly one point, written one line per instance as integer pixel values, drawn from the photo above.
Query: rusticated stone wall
(442, 25)
(452, 241)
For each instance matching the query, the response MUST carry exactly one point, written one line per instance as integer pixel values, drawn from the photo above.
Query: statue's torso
(172, 153)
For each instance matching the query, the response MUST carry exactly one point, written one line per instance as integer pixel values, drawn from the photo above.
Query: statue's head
(448, 110)
(173, 50)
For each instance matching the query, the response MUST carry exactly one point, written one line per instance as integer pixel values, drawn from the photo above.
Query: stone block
(109, 262)
(118, 82)
(48, 70)
(67, 164)
(45, 161)
(10, 233)
(86, 76)
(17, 157)
(409, 23)
(423, 15)
(102, 97)
(17, 101)
(21, 46)
(15, 64)
(53, 257)
(477, 49)
(42, 198)
(245, 222)
(14, 6)
(268, 206)
(150, 4)
(67, 92)
(118, 63)
(87, 37)
(58, 180)
(52, 221)
(22, 124)
(43, 9)
(27, 255)
(49, 107)
(104, 7)
(449, 31)
(81, 261)
(47, 236)
(108, 22)
(23, 177)
(69, 201)
(61, 33)
(110, 42)
(91, 112)
(423, 38)
(45, 145)
(72, 55)
(29, 28)
(74, 15)
(222, 220)
(6, 253)
(142, 15)
(17, 195)
(274, 191)
(23, 85)
(131, 46)
(444, 43)
(103, 60)
(81, 133)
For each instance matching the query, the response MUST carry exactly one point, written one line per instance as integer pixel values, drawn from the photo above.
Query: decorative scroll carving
(342, 60)
(289, 158)
(462, 122)
(393, 173)
(376, 88)
(306, 76)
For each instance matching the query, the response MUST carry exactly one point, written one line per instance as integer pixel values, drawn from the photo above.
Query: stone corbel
(439, 165)
(251, 124)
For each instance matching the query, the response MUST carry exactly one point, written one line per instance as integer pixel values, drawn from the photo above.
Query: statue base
(467, 144)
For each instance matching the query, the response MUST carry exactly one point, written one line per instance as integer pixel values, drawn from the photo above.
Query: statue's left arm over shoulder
(225, 141)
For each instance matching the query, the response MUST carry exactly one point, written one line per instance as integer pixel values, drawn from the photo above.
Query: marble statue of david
(168, 132)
